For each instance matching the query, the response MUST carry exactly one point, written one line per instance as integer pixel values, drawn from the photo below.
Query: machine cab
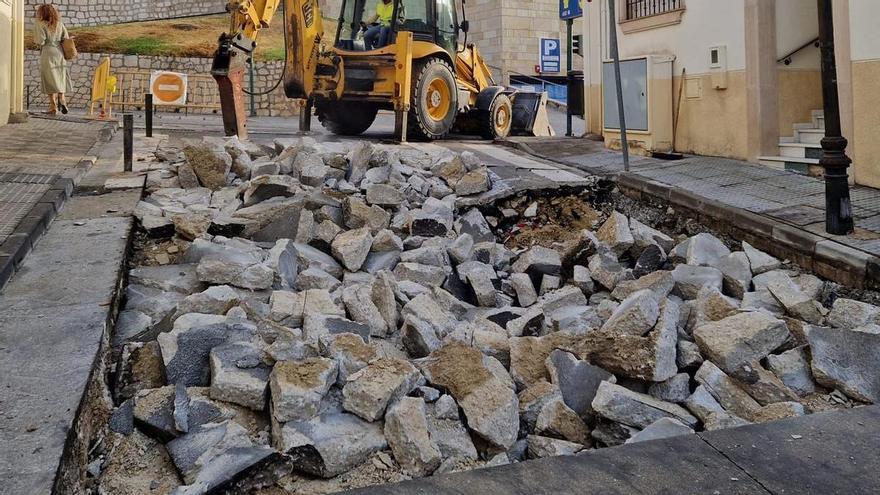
(433, 21)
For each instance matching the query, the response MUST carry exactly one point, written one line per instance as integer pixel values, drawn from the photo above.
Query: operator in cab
(378, 27)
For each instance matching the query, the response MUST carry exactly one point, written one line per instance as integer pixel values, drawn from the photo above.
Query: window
(638, 9)
(447, 30)
(416, 16)
(640, 15)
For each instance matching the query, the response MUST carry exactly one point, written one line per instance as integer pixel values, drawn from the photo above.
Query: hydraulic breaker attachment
(228, 70)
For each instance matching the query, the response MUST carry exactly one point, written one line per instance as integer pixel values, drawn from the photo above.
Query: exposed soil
(355, 346)
(459, 368)
(304, 374)
(154, 252)
(379, 470)
(558, 220)
(138, 464)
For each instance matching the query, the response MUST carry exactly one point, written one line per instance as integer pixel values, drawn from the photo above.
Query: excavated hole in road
(554, 219)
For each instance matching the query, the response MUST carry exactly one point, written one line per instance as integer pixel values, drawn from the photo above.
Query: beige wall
(866, 122)
(714, 123)
(864, 50)
(800, 92)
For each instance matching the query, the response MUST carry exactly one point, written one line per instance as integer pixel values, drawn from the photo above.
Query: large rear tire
(434, 102)
(346, 118)
(497, 121)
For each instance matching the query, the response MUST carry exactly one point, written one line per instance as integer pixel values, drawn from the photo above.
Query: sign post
(569, 10)
(615, 55)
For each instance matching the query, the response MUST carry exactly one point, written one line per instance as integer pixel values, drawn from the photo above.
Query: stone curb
(825, 257)
(821, 255)
(29, 230)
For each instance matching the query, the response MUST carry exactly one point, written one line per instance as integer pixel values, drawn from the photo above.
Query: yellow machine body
(321, 74)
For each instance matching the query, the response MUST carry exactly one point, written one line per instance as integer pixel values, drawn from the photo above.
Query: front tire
(497, 121)
(434, 100)
(346, 118)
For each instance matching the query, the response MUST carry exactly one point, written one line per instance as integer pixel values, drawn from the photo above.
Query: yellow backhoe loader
(431, 79)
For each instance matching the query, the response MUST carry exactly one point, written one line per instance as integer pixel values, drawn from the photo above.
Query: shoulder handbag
(69, 48)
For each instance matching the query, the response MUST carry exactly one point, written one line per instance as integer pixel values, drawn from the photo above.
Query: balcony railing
(637, 9)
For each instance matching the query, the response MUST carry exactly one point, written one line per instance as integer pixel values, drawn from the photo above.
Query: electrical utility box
(647, 102)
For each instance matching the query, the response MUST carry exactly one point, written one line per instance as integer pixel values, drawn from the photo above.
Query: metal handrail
(787, 59)
(543, 81)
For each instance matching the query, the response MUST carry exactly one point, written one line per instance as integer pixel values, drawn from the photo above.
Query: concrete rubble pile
(339, 305)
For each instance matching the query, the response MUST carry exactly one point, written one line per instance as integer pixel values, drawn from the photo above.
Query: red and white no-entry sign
(168, 88)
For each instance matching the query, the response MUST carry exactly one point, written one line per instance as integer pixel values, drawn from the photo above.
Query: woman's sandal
(64, 108)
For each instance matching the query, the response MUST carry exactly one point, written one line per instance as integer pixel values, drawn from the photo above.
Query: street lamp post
(838, 209)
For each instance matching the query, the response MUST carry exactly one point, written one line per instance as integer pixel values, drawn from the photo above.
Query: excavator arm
(304, 30)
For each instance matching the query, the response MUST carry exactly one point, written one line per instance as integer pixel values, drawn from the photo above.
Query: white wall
(865, 29)
(797, 22)
(705, 23)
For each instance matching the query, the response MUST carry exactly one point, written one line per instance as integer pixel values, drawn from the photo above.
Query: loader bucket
(530, 115)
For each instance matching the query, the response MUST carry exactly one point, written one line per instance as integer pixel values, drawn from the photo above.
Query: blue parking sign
(551, 55)
(570, 9)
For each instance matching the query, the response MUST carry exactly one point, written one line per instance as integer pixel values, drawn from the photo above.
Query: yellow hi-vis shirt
(385, 12)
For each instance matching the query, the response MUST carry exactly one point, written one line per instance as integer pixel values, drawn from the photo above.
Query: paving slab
(824, 453)
(47, 357)
(40, 160)
(821, 454)
(112, 204)
(682, 465)
(54, 315)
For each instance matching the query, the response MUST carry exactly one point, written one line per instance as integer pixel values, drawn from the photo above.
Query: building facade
(736, 78)
(11, 59)
(508, 34)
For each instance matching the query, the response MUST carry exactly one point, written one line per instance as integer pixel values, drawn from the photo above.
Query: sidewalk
(765, 198)
(819, 454)
(40, 163)
(55, 313)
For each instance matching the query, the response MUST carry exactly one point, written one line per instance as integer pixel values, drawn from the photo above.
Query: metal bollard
(148, 114)
(128, 141)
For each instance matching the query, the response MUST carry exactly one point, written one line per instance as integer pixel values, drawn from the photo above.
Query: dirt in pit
(379, 470)
(155, 252)
(548, 221)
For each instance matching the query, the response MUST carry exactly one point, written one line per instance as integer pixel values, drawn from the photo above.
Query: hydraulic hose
(286, 57)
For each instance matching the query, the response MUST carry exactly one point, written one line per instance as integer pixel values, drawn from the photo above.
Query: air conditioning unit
(647, 102)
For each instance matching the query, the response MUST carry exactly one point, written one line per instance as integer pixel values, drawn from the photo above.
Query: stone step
(811, 136)
(800, 150)
(806, 126)
(818, 117)
(793, 164)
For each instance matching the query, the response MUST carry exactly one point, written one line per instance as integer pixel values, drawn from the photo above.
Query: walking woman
(49, 32)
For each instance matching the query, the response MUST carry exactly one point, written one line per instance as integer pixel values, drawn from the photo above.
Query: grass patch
(144, 45)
